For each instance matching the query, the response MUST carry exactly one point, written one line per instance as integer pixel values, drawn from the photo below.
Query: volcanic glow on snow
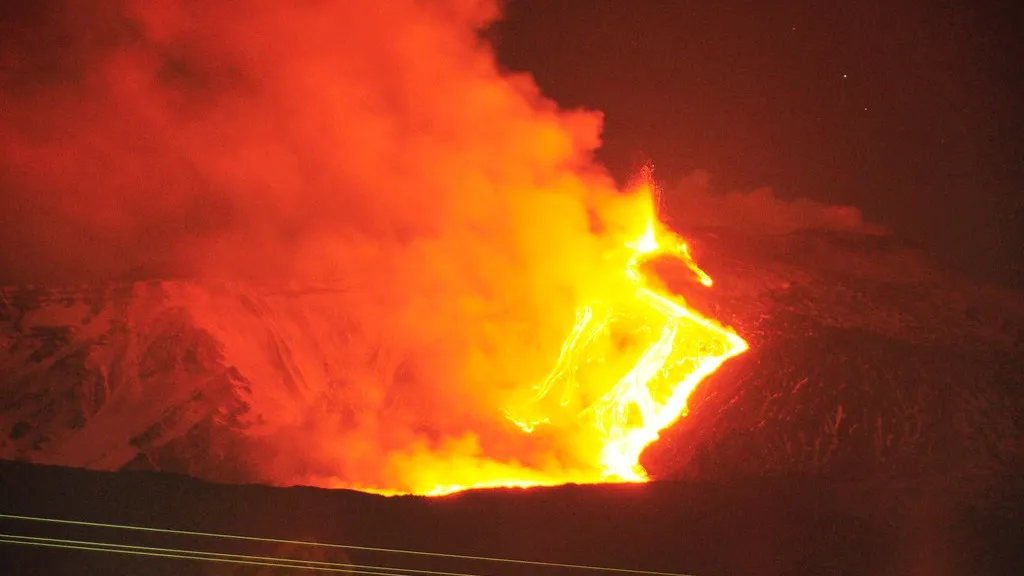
(625, 370)
(466, 299)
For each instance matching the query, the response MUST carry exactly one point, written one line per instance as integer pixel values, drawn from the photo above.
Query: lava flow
(626, 369)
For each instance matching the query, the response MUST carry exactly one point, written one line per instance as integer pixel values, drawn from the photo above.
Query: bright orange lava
(624, 372)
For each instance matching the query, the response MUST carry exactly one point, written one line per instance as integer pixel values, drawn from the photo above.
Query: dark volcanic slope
(784, 526)
(865, 360)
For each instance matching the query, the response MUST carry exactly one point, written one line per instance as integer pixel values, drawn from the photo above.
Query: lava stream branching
(624, 371)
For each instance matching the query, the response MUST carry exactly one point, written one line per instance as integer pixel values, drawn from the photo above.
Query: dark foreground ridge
(772, 526)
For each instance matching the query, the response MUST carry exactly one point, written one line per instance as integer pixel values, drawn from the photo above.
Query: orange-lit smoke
(694, 202)
(370, 145)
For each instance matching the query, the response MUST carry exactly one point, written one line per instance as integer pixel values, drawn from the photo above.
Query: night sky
(907, 110)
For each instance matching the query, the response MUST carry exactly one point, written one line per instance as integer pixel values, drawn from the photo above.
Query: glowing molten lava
(625, 370)
(638, 356)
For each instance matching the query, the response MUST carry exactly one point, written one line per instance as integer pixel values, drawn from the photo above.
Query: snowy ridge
(864, 358)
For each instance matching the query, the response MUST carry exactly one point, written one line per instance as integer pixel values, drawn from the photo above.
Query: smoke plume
(375, 145)
(372, 145)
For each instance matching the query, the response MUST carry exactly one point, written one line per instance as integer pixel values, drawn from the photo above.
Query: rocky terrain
(786, 525)
(865, 361)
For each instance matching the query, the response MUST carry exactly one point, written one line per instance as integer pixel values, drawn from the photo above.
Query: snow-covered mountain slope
(165, 374)
(864, 359)
(94, 376)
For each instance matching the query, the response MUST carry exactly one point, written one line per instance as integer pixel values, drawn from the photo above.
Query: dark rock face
(779, 526)
(865, 361)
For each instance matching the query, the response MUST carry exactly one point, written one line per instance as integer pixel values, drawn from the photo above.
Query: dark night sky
(907, 110)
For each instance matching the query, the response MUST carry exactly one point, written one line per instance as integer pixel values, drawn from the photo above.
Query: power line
(184, 556)
(368, 570)
(338, 546)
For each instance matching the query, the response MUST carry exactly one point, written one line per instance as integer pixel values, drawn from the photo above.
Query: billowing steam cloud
(190, 138)
(372, 144)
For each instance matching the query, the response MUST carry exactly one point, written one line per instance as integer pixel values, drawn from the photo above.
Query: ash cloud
(375, 145)
(184, 138)
(371, 144)
(693, 202)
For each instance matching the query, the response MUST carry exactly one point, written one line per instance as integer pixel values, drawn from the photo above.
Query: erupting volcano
(386, 262)
(338, 244)
(627, 367)
(267, 382)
